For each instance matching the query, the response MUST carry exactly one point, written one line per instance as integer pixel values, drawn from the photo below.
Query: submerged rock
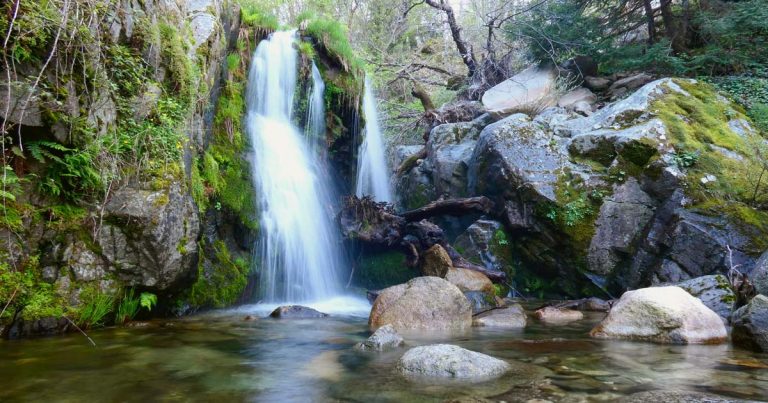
(511, 317)
(296, 312)
(556, 316)
(449, 361)
(674, 396)
(424, 303)
(662, 315)
(750, 325)
(383, 338)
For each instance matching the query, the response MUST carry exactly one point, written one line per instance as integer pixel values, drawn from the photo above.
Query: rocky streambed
(244, 355)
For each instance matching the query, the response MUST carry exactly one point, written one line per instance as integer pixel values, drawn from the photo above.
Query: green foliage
(69, 172)
(22, 290)
(333, 37)
(380, 270)
(223, 283)
(184, 71)
(148, 300)
(500, 237)
(128, 307)
(723, 39)
(94, 307)
(686, 159)
(252, 15)
(759, 116)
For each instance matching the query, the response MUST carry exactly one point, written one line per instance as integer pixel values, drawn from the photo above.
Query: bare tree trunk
(422, 95)
(651, 24)
(670, 26)
(465, 50)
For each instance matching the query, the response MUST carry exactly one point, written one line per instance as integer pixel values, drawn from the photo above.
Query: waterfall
(315, 129)
(299, 252)
(372, 171)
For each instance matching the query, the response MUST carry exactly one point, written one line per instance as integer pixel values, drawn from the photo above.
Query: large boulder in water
(528, 91)
(750, 325)
(662, 315)
(449, 361)
(424, 303)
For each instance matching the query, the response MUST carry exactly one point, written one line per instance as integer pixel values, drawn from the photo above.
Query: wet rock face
(515, 155)
(424, 303)
(448, 361)
(759, 275)
(296, 312)
(662, 315)
(714, 292)
(151, 237)
(384, 338)
(750, 325)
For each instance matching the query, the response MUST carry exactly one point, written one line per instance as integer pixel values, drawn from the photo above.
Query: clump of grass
(333, 36)
(251, 14)
(96, 305)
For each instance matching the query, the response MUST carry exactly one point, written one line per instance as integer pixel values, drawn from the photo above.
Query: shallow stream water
(220, 356)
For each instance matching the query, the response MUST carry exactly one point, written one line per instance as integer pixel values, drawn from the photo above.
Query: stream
(222, 356)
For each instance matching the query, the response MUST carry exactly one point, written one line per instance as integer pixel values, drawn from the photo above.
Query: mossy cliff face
(657, 187)
(98, 196)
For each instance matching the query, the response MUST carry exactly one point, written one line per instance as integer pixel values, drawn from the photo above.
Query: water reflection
(220, 356)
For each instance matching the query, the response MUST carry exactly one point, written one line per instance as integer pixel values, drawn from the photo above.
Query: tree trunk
(651, 24)
(455, 207)
(423, 96)
(670, 26)
(465, 50)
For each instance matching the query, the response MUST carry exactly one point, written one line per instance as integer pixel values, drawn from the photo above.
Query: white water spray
(300, 257)
(372, 171)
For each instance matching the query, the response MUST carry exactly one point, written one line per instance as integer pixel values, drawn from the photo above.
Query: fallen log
(455, 207)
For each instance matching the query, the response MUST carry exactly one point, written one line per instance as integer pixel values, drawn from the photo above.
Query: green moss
(22, 290)
(699, 122)
(224, 283)
(380, 270)
(750, 221)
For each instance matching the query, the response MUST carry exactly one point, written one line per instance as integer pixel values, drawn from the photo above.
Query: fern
(148, 300)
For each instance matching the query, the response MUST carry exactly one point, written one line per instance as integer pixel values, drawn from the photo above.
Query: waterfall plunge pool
(220, 356)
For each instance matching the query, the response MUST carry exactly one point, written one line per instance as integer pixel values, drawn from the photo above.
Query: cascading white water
(300, 257)
(372, 171)
(315, 129)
